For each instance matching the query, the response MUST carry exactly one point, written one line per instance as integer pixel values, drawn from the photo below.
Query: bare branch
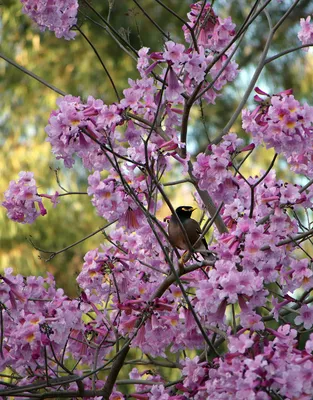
(31, 74)
(55, 253)
(101, 61)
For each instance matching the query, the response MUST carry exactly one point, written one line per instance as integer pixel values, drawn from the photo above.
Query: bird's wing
(193, 230)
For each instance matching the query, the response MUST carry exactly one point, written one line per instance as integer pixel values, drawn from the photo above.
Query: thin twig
(152, 20)
(283, 53)
(306, 186)
(208, 202)
(249, 89)
(116, 33)
(287, 13)
(31, 74)
(69, 193)
(55, 253)
(194, 40)
(179, 182)
(107, 30)
(252, 187)
(304, 235)
(101, 61)
(208, 224)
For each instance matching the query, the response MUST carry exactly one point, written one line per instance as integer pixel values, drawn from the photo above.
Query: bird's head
(185, 211)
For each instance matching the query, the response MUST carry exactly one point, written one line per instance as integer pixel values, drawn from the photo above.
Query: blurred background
(72, 66)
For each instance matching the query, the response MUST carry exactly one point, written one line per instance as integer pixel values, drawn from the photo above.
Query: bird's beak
(193, 209)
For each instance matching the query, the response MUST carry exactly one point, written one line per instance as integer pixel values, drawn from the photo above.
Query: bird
(192, 228)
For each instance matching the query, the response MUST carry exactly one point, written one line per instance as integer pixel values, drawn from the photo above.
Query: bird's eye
(185, 209)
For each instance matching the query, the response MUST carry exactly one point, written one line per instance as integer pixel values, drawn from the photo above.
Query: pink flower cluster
(56, 15)
(90, 130)
(249, 255)
(213, 170)
(248, 258)
(67, 138)
(130, 273)
(305, 317)
(213, 32)
(256, 367)
(127, 290)
(43, 328)
(186, 69)
(21, 198)
(113, 202)
(285, 125)
(305, 34)
(36, 317)
(127, 259)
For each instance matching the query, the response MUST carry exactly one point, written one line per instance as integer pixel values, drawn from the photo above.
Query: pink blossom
(158, 392)
(56, 15)
(174, 88)
(65, 128)
(133, 134)
(251, 320)
(229, 73)
(239, 344)
(223, 32)
(21, 198)
(215, 32)
(193, 371)
(285, 125)
(113, 202)
(213, 173)
(305, 317)
(126, 291)
(132, 97)
(174, 53)
(108, 117)
(305, 34)
(143, 60)
(309, 344)
(196, 65)
(29, 325)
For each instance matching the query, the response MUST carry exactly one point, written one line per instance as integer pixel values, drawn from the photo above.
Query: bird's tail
(205, 252)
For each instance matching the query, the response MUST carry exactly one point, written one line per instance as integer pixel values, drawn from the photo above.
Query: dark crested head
(184, 211)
